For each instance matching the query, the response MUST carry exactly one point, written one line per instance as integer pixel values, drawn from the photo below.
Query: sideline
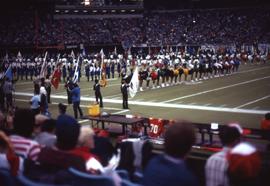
(165, 105)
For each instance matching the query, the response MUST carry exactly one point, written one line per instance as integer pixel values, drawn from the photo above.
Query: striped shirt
(216, 169)
(24, 147)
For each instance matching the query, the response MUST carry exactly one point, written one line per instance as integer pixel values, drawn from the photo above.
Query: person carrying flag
(56, 77)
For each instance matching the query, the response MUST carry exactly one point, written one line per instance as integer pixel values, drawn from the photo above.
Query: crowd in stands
(60, 151)
(246, 26)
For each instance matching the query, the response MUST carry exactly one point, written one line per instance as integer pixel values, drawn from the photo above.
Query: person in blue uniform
(76, 97)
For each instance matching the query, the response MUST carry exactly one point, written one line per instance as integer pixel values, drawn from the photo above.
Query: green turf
(252, 83)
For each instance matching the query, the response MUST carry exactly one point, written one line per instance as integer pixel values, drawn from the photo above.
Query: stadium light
(86, 2)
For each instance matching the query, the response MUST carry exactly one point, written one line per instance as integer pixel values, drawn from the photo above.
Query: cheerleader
(142, 76)
(185, 70)
(175, 73)
(190, 70)
(153, 76)
(180, 73)
(196, 68)
(148, 77)
(171, 75)
(162, 75)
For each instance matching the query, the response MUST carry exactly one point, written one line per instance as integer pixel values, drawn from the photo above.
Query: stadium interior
(122, 92)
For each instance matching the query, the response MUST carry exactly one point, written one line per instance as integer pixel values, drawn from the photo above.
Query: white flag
(134, 83)
(72, 54)
(19, 55)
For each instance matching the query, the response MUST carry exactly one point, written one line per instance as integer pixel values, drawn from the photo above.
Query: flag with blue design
(76, 72)
(8, 73)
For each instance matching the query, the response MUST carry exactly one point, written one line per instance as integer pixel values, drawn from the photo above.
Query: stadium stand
(239, 26)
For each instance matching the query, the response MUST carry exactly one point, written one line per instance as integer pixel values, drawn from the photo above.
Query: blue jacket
(76, 94)
(163, 172)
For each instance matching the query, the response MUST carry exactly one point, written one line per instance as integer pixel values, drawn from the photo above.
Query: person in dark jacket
(124, 91)
(69, 86)
(98, 95)
(170, 168)
(76, 97)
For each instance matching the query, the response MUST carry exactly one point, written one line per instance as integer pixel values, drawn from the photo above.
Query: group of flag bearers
(161, 69)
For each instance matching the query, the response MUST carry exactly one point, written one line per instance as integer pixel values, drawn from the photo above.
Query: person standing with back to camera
(98, 95)
(76, 98)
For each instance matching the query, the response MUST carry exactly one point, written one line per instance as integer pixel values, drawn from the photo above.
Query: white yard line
(166, 105)
(83, 106)
(251, 102)
(120, 112)
(84, 121)
(216, 89)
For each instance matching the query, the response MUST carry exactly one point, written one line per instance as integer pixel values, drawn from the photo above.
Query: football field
(242, 97)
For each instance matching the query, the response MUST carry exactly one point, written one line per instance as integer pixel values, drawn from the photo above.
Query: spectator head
(244, 164)
(267, 116)
(230, 135)
(48, 126)
(42, 90)
(23, 122)
(39, 121)
(86, 138)
(67, 132)
(62, 108)
(96, 81)
(179, 138)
